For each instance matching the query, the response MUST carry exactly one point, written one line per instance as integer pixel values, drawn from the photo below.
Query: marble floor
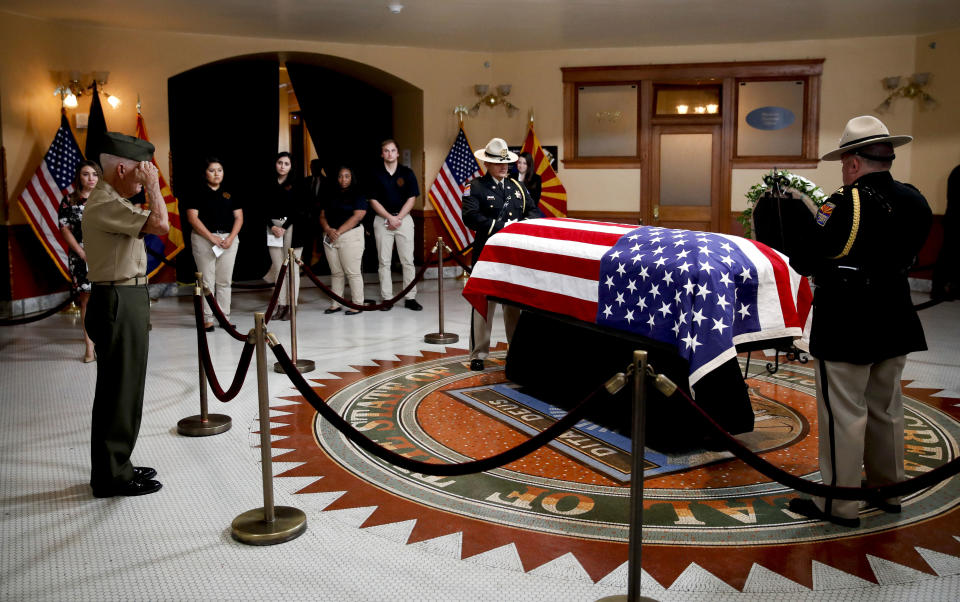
(60, 543)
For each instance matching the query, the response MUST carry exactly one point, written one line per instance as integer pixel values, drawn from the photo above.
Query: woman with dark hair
(340, 217)
(70, 217)
(528, 176)
(216, 217)
(287, 216)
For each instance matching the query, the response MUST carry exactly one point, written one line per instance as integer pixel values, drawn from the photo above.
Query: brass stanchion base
(251, 528)
(463, 275)
(440, 338)
(303, 366)
(194, 426)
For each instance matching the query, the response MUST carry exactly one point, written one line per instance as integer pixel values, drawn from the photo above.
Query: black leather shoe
(806, 507)
(331, 310)
(282, 314)
(386, 308)
(476, 365)
(143, 473)
(131, 488)
(351, 312)
(208, 328)
(883, 505)
(412, 304)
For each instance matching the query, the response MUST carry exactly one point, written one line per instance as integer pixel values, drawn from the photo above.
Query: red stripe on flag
(481, 288)
(781, 273)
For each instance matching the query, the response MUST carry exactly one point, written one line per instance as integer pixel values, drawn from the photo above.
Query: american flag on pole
(40, 199)
(703, 293)
(171, 243)
(446, 194)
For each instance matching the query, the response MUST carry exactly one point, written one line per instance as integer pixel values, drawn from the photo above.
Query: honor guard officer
(858, 248)
(118, 313)
(490, 202)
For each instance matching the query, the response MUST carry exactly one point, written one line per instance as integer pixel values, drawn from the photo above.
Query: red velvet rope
(941, 473)
(472, 466)
(225, 323)
(203, 351)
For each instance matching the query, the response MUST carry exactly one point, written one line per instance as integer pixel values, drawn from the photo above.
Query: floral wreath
(787, 183)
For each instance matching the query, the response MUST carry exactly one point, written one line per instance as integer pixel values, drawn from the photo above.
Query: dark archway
(230, 109)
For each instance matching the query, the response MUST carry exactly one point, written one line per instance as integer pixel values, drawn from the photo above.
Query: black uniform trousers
(118, 319)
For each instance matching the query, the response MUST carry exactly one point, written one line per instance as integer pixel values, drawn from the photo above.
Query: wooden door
(684, 177)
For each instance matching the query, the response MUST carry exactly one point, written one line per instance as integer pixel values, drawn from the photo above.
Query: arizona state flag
(553, 196)
(172, 243)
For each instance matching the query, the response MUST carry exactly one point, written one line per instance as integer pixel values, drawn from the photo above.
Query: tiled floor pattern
(60, 543)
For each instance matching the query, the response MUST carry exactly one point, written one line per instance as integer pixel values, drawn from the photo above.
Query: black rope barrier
(445, 470)
(38, 316)
(927, 304)
(364, 307)
(204, 352)
(163, 258)
(941, 473)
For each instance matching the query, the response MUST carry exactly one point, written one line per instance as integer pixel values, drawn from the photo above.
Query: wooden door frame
(650, 177)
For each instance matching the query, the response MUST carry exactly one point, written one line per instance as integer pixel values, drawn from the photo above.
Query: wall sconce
(913, 89)
(492, 99)
(70, 91)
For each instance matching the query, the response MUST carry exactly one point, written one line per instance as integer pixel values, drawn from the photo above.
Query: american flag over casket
(702, 292)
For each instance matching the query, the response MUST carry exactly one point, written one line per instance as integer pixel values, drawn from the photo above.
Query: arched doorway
(232, 109)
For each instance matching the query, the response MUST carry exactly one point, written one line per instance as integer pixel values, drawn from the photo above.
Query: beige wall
(141, 61)
(937, 149)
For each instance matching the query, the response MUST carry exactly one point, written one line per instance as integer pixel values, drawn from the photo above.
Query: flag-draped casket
(697, 294)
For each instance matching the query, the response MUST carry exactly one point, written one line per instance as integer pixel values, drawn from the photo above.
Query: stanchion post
(203, 424)
(637, 444)
(268, 525)
(440, 337)
(303, 366)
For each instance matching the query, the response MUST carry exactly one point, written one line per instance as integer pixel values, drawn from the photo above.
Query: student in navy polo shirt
(392, 194)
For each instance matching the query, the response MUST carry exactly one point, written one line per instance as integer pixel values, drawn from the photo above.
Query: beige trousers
(344, 257)
(480, 329)
(403, 237)
(860, 411)
(277, 255)
(217, 272)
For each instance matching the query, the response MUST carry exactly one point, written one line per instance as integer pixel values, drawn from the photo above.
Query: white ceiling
(510, 25)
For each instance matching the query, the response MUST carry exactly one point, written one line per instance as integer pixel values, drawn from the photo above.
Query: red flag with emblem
(172, 243)
(553, 196)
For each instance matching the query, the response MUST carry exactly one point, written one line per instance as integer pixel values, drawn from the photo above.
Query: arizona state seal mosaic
(572, 496)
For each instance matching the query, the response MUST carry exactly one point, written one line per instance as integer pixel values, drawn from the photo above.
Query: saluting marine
(858, 248)
(490, 202)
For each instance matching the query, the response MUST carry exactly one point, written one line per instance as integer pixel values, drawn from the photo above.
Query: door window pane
(607, 121)
(770, 118)
(685, 169)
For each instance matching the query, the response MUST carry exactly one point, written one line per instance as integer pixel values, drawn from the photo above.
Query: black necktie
(500, 188)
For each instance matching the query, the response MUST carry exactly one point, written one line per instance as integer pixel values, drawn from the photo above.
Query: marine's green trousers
(118, 319)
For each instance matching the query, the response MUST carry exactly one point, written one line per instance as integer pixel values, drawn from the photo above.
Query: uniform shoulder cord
(523, 193)
(856, 224)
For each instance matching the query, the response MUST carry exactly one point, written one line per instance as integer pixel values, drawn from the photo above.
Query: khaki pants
(403, 237)
(860, 410)
(480, 329)
(344, 257)
(217, 272)
(277, 255)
